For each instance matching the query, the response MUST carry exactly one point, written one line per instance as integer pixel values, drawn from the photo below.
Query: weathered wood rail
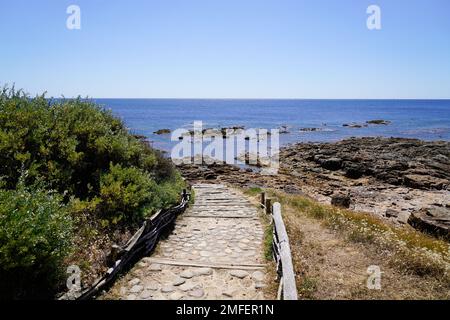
(281, 251)
(143, 242)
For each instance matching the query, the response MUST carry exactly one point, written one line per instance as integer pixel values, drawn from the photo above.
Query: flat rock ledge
(433, 220)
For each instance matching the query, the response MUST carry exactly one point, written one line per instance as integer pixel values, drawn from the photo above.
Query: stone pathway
(214, 252)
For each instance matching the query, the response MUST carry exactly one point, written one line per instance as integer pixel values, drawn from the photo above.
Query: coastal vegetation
(333, 248)
(73, 180)
(418, 264)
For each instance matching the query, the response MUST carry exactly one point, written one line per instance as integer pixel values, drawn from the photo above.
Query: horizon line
(159, 98)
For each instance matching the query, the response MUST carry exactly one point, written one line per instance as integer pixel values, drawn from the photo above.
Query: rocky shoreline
(401, 180)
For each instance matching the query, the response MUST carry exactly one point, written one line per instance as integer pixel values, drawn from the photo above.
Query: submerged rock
(354, 125)
(311, 129)
(284, 129)
(162, 131)
(379, 121)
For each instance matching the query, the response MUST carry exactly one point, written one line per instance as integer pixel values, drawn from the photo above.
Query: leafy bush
(126, 194)
(69, 143)
(35, 237)
(130, 194)
(110, 177)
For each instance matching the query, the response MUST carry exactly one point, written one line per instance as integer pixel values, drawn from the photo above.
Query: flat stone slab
(136, 289)
(239, 274)
(434, 220)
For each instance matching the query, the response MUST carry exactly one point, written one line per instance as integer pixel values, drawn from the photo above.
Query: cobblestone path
(214, 252)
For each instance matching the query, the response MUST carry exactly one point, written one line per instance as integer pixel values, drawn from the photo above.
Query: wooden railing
(281, 251)
(141, 243)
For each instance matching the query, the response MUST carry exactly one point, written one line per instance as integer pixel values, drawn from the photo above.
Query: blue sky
(227, 49)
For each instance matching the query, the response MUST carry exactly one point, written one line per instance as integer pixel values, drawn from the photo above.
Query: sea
(303, 120)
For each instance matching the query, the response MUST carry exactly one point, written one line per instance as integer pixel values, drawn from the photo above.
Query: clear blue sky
(227, 49)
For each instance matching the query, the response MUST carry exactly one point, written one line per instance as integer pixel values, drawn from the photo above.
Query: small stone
(153, 286)
(131, 297)
(340, 200)
(72, 295)
(187, 274)
(390, 213)
(136, 289)
(403, 217)
(258, 276)
(176, 296)
(134, 282)
(178, 281)
(155, 267)
(167, 289)
(142, 264)
(123, 291)
(259, 285)
(146, 295)
(187, 287)
(228, 293)
(239, 273)
(204, 253)
(203, 271)
(258, 296)
(137, 272)
(197, 293)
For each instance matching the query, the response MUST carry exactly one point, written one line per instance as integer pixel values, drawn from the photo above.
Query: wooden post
(268, 206)
(263, 199)
(289, 285)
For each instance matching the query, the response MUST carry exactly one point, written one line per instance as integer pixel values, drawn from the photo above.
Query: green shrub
(126, 194)
(71, 144)
(130, 194)
(68, 143)
(253, 191)
(35, 237)
(110, 177)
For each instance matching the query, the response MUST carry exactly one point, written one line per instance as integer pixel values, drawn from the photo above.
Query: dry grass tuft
(405, 248)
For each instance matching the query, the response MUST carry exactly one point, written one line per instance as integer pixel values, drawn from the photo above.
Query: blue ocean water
(422, 119)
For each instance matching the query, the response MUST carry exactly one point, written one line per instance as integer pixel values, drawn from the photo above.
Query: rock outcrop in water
(379, 121)
(162, 131)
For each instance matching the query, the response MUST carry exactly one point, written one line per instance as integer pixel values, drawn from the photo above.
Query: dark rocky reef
(355, 125)
(407, 162)
(162, 131)
(379, 121)
(393, 178)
